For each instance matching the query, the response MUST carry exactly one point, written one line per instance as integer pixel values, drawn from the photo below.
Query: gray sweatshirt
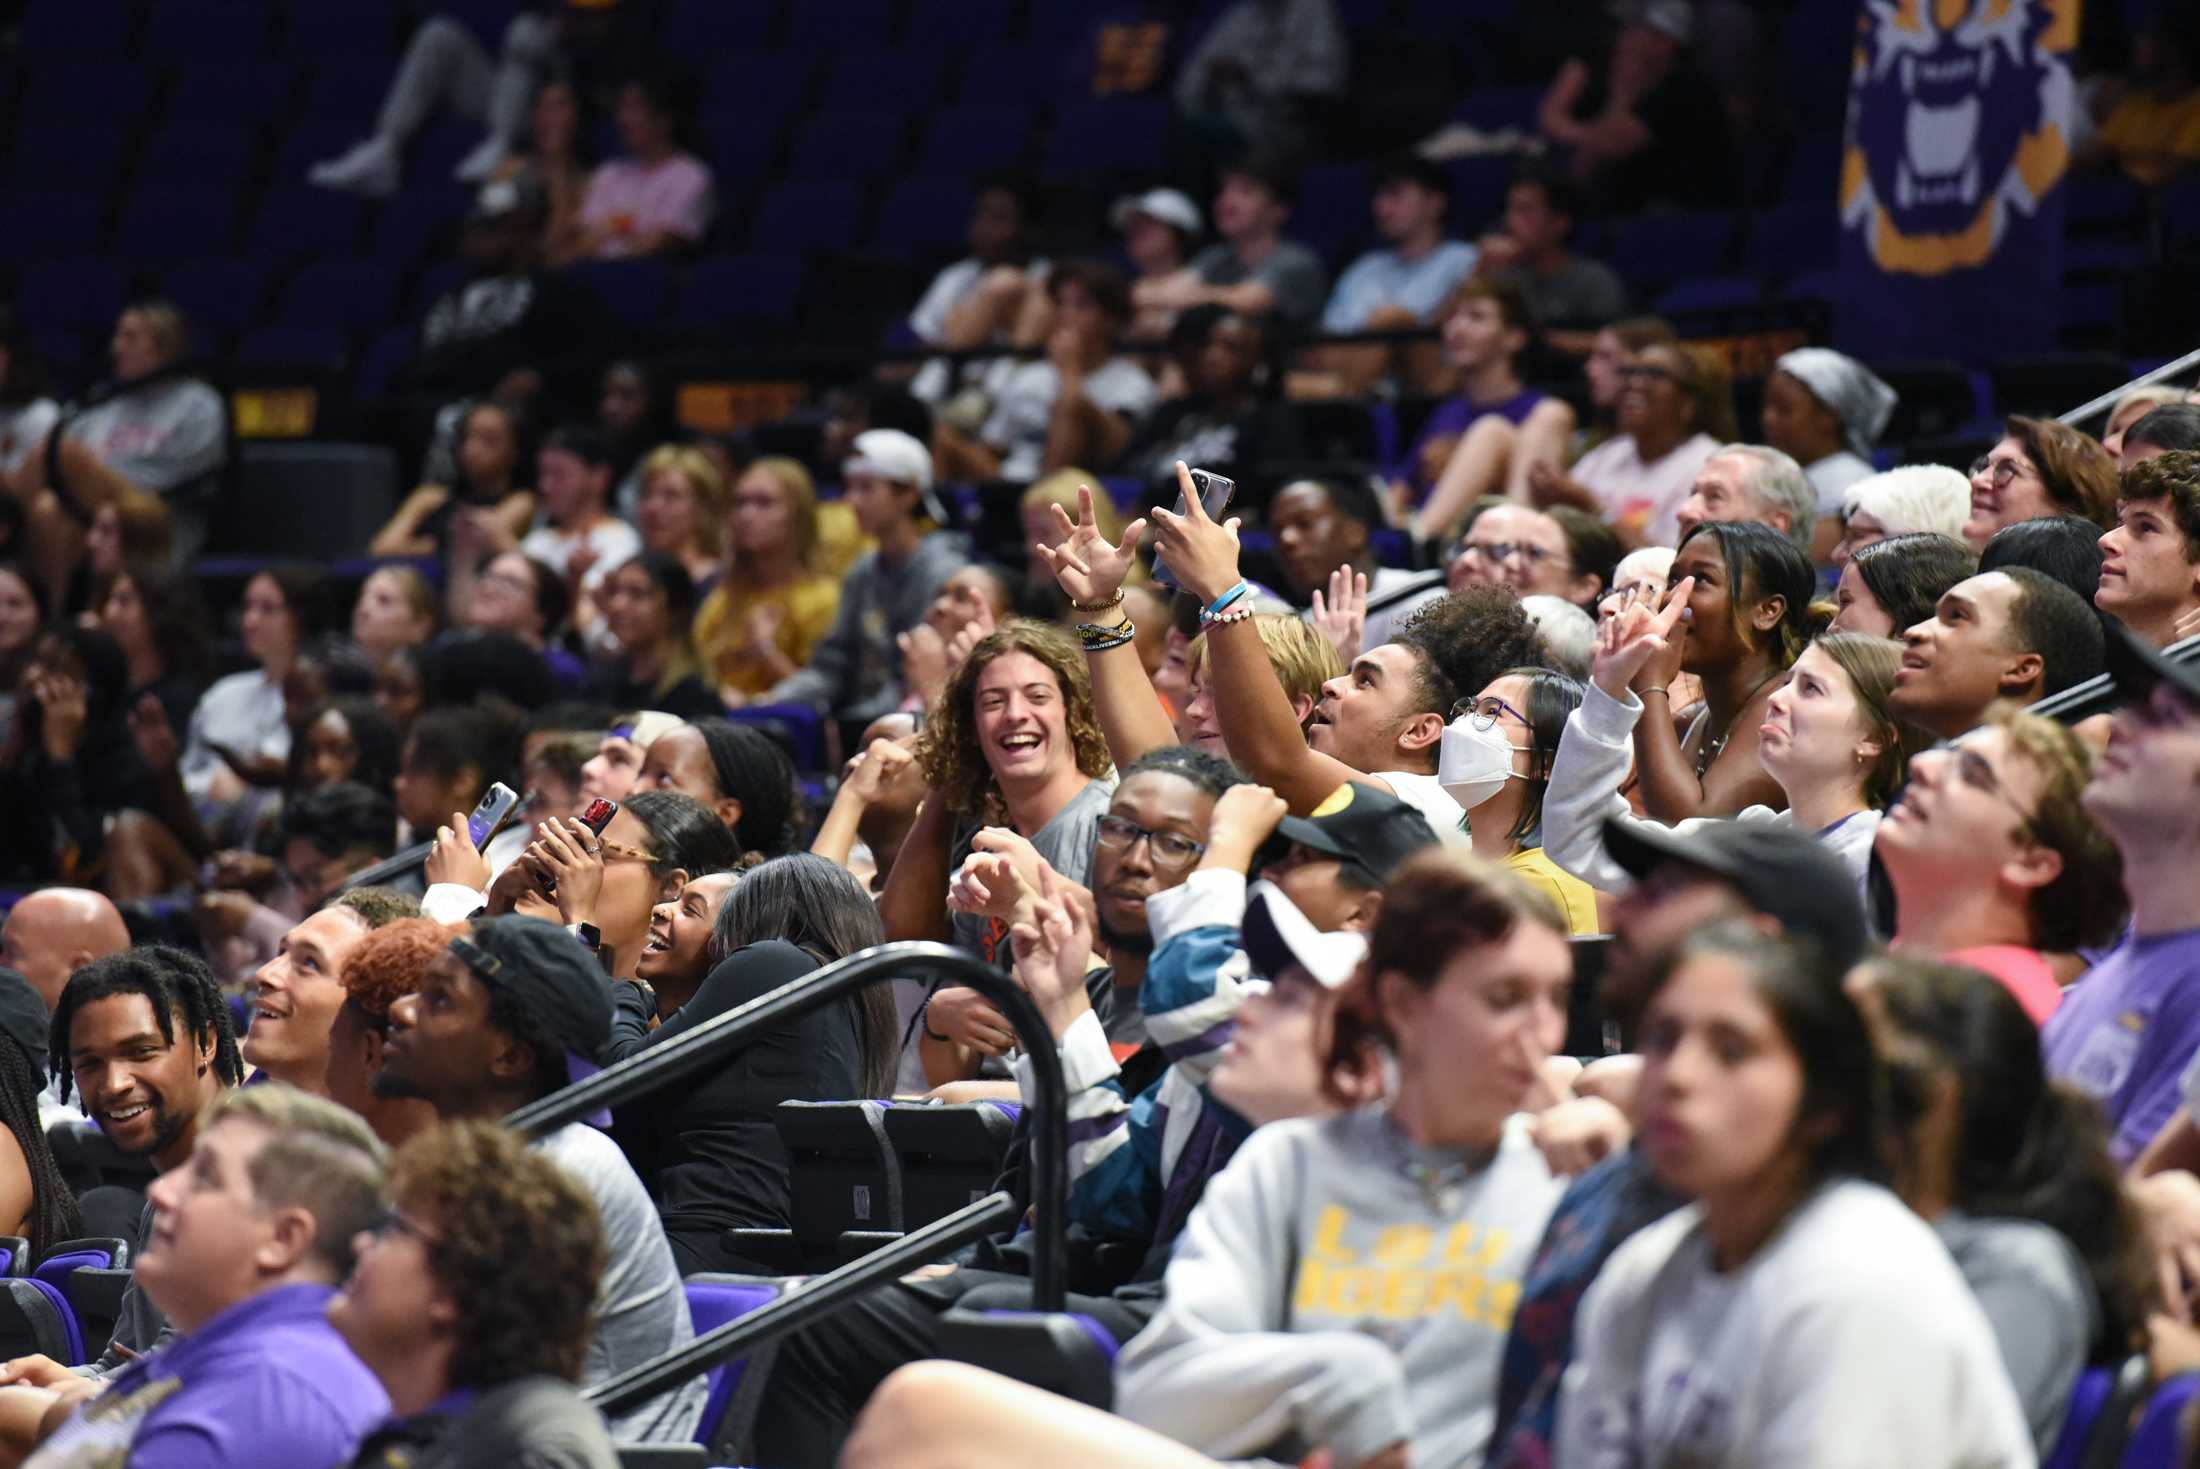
(156, 437)
(1339, 1287)
(1591, 765)
(856, 671)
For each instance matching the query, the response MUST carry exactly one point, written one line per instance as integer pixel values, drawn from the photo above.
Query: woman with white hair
(1917, 497)
(1826, 410)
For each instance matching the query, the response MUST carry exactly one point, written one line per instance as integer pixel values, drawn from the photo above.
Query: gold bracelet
(1115, 601)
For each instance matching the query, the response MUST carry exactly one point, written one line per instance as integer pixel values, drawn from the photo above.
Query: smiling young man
(2150, 571)
(511, 1011)
(253, 1233)
(1993, 860)
(478, 1344)
(2130, 1027)
(296, 995)
(1012, 741)
(2011, 634)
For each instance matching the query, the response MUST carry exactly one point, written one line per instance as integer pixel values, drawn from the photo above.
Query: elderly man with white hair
(1917, 498)
(1753, 482)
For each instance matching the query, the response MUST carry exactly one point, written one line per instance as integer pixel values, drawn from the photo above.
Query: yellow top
(2152, 138)
(806, 609)
(839, 539)
(1575, 898)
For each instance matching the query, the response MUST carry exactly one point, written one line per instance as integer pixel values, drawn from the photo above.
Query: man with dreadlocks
(145, 1034)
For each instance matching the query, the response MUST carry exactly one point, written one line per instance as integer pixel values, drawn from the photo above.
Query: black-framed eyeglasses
(1496, 552)
(1485, 712)
(1170, 849)
(2000, 473)
(391, 1220)
(1975, 771)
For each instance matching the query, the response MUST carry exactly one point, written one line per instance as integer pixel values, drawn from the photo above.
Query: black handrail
(2096, 406)
(720, 1036)
(800, 1306)
(2098, 694)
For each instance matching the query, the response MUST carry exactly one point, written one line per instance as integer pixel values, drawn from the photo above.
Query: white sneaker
(476, 166)
(370, 168)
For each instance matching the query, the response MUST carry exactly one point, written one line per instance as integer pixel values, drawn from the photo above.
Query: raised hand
(569, 855)
(1637, 636)
(975, 631)
(62, 723)
(1343, 617)
(987, 884)
(924, 665)
(1244, 817)
(454, 858)
(882, 770)
(1053, 949)
(1202, 553)
(1087, 568)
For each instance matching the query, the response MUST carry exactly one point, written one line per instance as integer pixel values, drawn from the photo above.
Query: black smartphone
(1215, 491)
(489, 817)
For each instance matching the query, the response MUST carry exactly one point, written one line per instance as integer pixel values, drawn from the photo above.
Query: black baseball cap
(2135, 666)
(551, 976)
(1782, 872)
(23, 1019)
(1369, 830)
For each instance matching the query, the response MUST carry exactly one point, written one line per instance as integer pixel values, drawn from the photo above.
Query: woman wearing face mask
(1495, 761)
(716, 1163)
(2014, 1175)
(610, 774)
(1828, 739)
(1736, 616)
(1796, 1312)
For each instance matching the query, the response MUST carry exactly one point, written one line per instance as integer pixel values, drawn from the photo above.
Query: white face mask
(1472, 764)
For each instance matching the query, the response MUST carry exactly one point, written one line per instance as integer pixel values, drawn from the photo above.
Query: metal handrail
(720, 1036)
(2094, 407)
(799, 1307)
(2097, 695)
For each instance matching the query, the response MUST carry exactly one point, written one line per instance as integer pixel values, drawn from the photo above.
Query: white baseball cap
(1278, 936)
(891, 454)
(1166, 205)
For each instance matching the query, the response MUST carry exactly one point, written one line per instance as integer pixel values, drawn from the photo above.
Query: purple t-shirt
(1451, 418)
(267, 1381)
(2125, 1032)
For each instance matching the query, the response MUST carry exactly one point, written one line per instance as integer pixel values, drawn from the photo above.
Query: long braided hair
(54, 1215)
(173, 982)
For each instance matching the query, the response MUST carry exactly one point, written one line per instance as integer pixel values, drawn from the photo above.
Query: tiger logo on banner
(1958, 136)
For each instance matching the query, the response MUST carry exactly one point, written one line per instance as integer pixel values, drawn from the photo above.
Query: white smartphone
(1215, 491)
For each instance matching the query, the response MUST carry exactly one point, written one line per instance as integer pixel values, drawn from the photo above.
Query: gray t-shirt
(156, 437)
(1066, 842)
(1291, 272)
(2038, 1298)
(538, 1422)
(856, 671)
(642, 1312)
(1580, 293)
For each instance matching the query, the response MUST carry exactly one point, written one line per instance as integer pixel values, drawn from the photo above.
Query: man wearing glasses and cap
(855, 673)
(512, 1011)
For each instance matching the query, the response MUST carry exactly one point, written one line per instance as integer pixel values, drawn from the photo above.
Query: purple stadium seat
(364, 31)
(634, 291)
(827, 27)
(1030, 74)
(848, 145)
(924, 214)
(1494, 108)
(302, 222)
(76, 25)
(389, 353)
(906, 80)
(59, 224)
(808, 216)
(293, 349)
(346, 295)
(2157, 1441)
(58, 154)
(240, 91)
(79, 295)
(1120, 136)
(35, 1317)
(1710, 293)
(214, 30)
(769, 85)
(420, 220)
(932, 19)
(202, 154)
(976, 138)
(1791, 239)
(710, 27)
(2091, 1394)
(714, 1300)
(348, 87)
(1661, 248)
(797, 726)
(737, 289)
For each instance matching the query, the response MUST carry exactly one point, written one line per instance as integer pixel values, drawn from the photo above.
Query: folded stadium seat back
(1584, 1012)
(364, 32)
(299, 222)
(1119, 136)
(15, 1255)
(318, 500)
(76, 25)
(1654, 250)
(923, 214)
(2158, 1440)
(1493, 109)
(858, 144)
(712, 27)
(907, 79)
(2088, 1398)
(88, 1160)
(713, 1300)
(1059, 1351)
(730, 290)
(1031, 74)
(1821, 286)
(808, 216)
(2177, 211)
(2092, 311)
(741, 146)
(234, 90)
(797, 727)
(842, 1174)
(1391, 547)
(758, 85)
(54, 1266)
(54, 224)
(1710, 293)
(213, 30)
(94, 1294)
(81, 294)
(436, 282)
(35, 1317)
(291, 351)
(950, 1156)
(2054, 383)
(420, 222)
(197, 153)
(347, 295)
(1787, 240)
(345, 92)
(165, 225)
(1932, 399)
(633, 291)
(932, 20)
(975, 138)
(53, 154)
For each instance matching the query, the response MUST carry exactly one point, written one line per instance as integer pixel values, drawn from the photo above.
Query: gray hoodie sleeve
(1219, 1369)
(1591, 765)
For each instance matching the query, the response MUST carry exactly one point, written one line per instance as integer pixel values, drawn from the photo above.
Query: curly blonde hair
(948, 749)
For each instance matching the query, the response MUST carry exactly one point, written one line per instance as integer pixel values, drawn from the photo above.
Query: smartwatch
(591, 937)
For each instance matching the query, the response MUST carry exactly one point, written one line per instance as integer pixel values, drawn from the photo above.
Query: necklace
(1712, 748)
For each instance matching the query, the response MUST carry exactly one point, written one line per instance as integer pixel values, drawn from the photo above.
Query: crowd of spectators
(1595, 941)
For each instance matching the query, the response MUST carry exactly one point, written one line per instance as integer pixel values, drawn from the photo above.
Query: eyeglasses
(390, 1221)
(1169, 848)
(2000, 473)
(1484, 713)
(1501, 551)
(1974, 771)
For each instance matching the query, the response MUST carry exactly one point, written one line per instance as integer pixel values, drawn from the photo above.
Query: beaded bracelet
(1213, 610)
(1098, 639)
(1100, 645)
(1238, 615)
